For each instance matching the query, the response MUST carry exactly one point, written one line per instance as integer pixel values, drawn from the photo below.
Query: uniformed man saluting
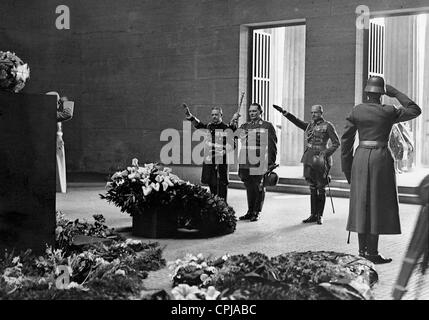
(317, 157)
(215, 166)
(257, 154)
(370, 169)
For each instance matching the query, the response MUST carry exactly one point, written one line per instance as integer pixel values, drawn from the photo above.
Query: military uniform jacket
(373, 192)
(216, 150)
(316, 135)
(257, 137)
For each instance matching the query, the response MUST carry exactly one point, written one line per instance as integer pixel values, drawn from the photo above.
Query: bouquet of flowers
(137, 188)
(13, 72)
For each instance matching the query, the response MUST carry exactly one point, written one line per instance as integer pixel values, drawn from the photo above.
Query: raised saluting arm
(190, 117)
(409, 109)
(298, 122)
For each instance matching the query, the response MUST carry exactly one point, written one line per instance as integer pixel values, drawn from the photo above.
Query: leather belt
(316, 147)
(372, 144)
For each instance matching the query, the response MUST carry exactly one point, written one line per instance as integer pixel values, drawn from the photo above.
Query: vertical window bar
(382, 49)
(378, 49)
(254, 53)
(263, 56)
(259, 54)
(370, 49)
(269, 57)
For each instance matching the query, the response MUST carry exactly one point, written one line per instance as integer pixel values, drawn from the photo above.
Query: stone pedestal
(27, 171)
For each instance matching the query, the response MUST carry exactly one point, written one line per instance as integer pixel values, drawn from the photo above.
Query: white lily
(165, 186)
(155, 186)
(116, 175)
(147, 190)
(168, 181)
(22, 72)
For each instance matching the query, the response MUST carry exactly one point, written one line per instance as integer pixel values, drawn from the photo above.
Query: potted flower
(147, 193)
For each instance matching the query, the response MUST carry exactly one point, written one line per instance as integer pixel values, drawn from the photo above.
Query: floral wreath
(13, 72)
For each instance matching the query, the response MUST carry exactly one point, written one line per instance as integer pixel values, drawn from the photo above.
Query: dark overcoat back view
(373, 191)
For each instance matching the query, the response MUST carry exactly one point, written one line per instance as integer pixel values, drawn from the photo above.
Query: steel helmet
(318, 163)
(375, 84)
(271, 179)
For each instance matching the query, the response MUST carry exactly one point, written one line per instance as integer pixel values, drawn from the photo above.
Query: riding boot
(313, 200)
(373, 255)
(362, 244)
(321, 199)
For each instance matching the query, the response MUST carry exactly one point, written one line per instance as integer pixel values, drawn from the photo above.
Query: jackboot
(321, 199)
(313, 200)
(362, 244)
(373, 255)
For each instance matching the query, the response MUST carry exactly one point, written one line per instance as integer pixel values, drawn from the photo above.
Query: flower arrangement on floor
(13, 72)
(138, 189)
(141, 190)
(113, 270)
(290, 276)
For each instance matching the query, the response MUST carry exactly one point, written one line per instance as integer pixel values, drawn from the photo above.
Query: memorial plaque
(27, 171)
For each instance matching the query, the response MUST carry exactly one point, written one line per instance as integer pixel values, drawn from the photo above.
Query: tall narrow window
(376, 48)
(261, 70)
(277, 77)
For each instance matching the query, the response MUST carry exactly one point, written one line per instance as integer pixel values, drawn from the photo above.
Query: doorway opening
(398, 50)
(278, 77)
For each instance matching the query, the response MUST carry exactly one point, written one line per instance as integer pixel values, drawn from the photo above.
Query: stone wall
(129, 65)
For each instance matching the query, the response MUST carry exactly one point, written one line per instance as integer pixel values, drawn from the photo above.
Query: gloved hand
(391, 91)
(280, 109)
(188, 113)
(236, 116)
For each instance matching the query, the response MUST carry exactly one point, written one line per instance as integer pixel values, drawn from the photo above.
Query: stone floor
(279, 230)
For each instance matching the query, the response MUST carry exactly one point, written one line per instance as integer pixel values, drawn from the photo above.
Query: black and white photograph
(236, 151)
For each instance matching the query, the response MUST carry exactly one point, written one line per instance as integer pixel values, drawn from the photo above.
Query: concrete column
(330, 70)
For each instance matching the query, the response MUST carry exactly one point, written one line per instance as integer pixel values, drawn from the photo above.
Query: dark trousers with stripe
(255, 191)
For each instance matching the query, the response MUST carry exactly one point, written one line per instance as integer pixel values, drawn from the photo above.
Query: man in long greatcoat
(373, 206)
